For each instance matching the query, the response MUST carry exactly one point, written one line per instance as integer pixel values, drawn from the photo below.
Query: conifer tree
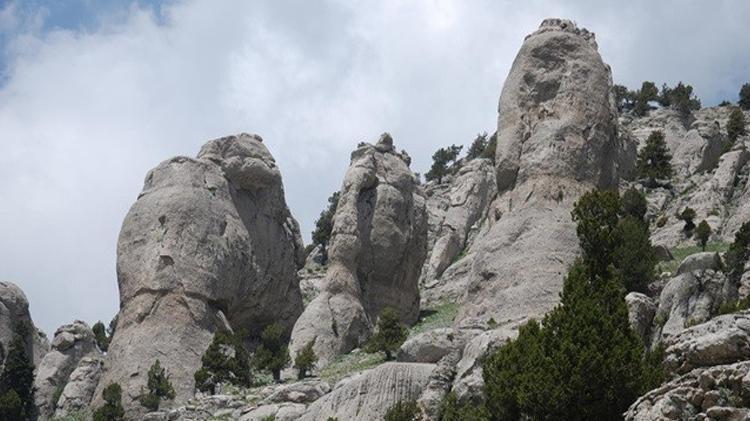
(477, 147)
(738, 253)
(324, 225)
(736, 124)
(273, 352)
(654, 160)
(744, 101)
(403, 411)
(390, 333)
(225, 361)
(102, 341)
(440, 160)
(305, 360)
(159, 387)
(687, 216)
(702, 234)
(112, 409)
(634, 204)
(17, 378)
(489, 151)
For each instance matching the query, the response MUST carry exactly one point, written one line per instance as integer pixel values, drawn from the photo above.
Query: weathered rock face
(431, 346)
(641, 312)
(367, 396)
(376, 251)
(14, 308)
(210, 244)
(70, 345)
(556, 139)
(80, 387)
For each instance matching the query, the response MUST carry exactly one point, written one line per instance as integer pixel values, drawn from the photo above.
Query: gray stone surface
(431, 346)
(700, 262)
(80, 387)
(641, 312)
(209, 242)
(14, 308)
(376, 252)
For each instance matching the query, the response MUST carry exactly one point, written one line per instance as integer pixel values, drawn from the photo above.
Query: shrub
(440, 160)
(403, 411)
(724, 103)
(738, 254)
(453, 410)
(654, 160)
(489, 151)
(324, 225)
(702, 233)
(687, 216)
(634, 203)
(681, 98)
(744, 101)
(273, 352)
(305, 360)
(390, 333)
(17, 378)
(159, 387)
(736, 124)
(112, 409)
(101, 336)
(225, 361)
(477, 147)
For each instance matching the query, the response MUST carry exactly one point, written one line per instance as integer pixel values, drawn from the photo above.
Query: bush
(305, 360)
(159, 387)
(681, 98)
(225, 361)
(112, 409)
(390, 333)
(702, 233)
(687, 216)
(453, 410)
(634, 203)
(101, 336)
(440, 160)
(324, 225)
(654, 161)
(403, 411)
(738, 254)
(489, 151)
(744, 101)
(273, 352)
(17, 378)
(736, 124)
(477, 147)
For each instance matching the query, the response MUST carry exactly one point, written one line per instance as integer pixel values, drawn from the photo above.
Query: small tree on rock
(489, 151)
(112, 409)
(17, 378)
(273, 352)
(305, 360)
(403, 411)
(738, 253)
(736, 124)
(477, 147)
(159, 387)
(744, 101)
(654, 160)
(390, 333)
(702, 234)
(682, 99)
(687, 216)
(225, 361)
(440, 160)
(324, 224)
(100, 335)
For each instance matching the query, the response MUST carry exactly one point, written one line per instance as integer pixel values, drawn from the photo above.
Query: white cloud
(84, 114)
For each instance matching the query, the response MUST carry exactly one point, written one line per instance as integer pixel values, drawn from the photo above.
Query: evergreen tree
(453, 410)
(633, 257)
(687, 216)
(489, 151)
(225, 361)
(390, 333)
(324, 225)
(273, 352)
(622, 97)
(736, 124)
(440, 160)
(305, 360)
(17, 378)
(634, 204)
(597, 214)
(682, 99)
(649, 92)
(654, 160)
(101, 336)
(738, 254)
(403, 411)
(744, 101)
(702, 233)
(159, 387)
(477, 147)
(112, 409)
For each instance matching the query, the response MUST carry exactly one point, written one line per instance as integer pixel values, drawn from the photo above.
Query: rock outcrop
(77, 394)
(556, 139)
(14, 309)
(375, 254)
(71, 344)
(641, 312)
(209, 245)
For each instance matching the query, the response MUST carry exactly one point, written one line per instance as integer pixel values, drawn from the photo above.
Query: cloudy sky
(95, 93)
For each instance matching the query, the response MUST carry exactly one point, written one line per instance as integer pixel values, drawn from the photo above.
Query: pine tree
(654, 160)
(390, 333)
(305, 360)
(744, 101)
(101, 336)
(324, 224)
(225, 361)
(634, 204)
(633, 257)
(681, 98)
(687, 216)
(477, 147)
(489, 151)
(112, 409)
(273, 352)
(736, 124)
(440, 160)
(738, 253)
(702, 234)
(597, 214)
(403, 411)
(159, 387)
(17, 378)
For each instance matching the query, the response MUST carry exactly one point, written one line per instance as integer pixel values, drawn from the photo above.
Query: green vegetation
(403, 411)
(440, 160)
(583, 361)
(680, 253)
(734, 306)
(273, 352)
(225, 361)
(442, 315)
(744, 101)
(159, 387)
(453, 410)
(489, 151)
(101, 336)
(702, 233)
(648, 92)
(352, 362)
(738, 253)
(112, 409)
(17, 378)
(736, 125)
(680, 98)
(688, 215)
(305, 360)
(477, 147)
(634, 203)
(324, 225)
(654, 160)
(80, 415)
(390, 333)
(633, 257)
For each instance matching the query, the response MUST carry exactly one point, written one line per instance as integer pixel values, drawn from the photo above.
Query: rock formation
(80, 387)
(209, 245)
(14, 308)
(376, 251)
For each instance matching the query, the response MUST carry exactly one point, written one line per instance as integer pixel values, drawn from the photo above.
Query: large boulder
(80, 387)
(368, 395)
(556, 139)
(14, 309)
(432, 345)
(209, 245)
(375, 255)
(641, 312)
(71, 344)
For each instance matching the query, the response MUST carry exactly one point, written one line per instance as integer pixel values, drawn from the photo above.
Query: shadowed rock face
(14, 308)
(376, 253)
(210, 244)
(556, 140)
